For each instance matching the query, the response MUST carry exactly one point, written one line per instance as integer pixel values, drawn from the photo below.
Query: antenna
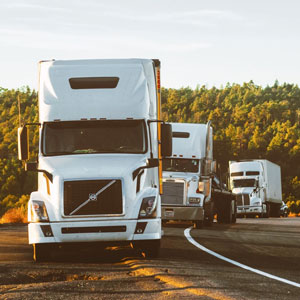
(19, 106)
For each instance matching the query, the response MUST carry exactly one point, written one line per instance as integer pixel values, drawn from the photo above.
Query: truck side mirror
(152, 162)
(166, 140)
(23, 146)
(31, 166)
(214, 167)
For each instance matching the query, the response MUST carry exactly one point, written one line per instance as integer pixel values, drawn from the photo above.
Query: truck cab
(187, 174)
(101, 143)
(257, 185)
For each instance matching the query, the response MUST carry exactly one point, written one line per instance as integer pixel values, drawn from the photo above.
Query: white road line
(192, 241)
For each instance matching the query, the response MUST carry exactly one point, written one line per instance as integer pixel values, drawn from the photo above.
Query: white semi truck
(101, 144)
(191, 190)
(257, 184)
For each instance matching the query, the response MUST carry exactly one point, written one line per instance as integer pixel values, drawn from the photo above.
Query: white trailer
(257, 184)
(100, 150)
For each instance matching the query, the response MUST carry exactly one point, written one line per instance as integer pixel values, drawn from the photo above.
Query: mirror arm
(152, 163)
(49, 175)
(28, 168)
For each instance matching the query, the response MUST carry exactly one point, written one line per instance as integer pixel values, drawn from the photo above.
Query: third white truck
(257, 184)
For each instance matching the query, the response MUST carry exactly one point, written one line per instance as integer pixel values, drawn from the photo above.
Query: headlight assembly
(39, 211)
(148, 208)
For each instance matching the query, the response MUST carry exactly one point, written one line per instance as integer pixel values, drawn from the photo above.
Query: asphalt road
(182, 271)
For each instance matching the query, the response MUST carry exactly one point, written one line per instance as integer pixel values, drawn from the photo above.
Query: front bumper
(186, 213)
(244, 210)
(94, 231)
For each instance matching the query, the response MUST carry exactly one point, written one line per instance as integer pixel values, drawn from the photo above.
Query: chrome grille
(81, 198)
(243, 199)
(239, 198)
(246, 199)
(173, 193)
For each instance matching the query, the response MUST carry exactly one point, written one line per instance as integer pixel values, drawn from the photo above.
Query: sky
(199, 42)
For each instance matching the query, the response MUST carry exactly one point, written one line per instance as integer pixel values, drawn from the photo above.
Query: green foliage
(249, 122)
(14, 181)
(294, 206)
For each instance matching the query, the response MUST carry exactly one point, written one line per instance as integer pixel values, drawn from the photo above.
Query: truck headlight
(203, 187)
(194, 200)
(148, 208)
(39, 211)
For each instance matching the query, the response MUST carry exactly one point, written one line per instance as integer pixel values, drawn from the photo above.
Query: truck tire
(275, 210)
(41, 252)
(228, 212)
(220, 216)
(208, 214)
(198, 224)
(267, 214)
(150, 248)
(234, 215)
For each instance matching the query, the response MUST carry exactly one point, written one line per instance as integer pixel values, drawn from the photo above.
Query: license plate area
(169, 213)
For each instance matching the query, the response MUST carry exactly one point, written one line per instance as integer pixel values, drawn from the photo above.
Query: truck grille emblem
(93, 197)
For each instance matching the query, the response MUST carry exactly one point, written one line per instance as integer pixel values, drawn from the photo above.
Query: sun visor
(189, 140)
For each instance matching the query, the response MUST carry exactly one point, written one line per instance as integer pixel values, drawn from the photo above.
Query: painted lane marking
(192, 241)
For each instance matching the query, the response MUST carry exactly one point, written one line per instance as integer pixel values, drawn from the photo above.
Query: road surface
(269, 248)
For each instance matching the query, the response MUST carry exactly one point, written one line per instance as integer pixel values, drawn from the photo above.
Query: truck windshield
(181, 165)
(244, 183)
(103, 136)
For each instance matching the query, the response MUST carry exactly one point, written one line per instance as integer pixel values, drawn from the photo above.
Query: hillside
(249, 122)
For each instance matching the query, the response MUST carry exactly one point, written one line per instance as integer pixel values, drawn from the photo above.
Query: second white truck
(257, 184)
(192, 192)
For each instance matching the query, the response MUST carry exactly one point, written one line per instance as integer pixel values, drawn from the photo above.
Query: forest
(249, 121)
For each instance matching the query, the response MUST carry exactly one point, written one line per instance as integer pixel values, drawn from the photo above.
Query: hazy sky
(205, 42)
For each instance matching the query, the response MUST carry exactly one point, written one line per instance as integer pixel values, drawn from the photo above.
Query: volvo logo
(93, 197)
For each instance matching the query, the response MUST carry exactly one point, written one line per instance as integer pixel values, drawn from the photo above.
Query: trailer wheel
(275, 210)
(41, 252)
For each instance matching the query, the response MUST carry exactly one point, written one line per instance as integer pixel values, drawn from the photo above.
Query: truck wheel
(41, 252)
(234, 215)
(228, 212)
(275, 210)
(198, 224)
(151, 248)
(220, 217)
(267, 214)
(209, 214)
